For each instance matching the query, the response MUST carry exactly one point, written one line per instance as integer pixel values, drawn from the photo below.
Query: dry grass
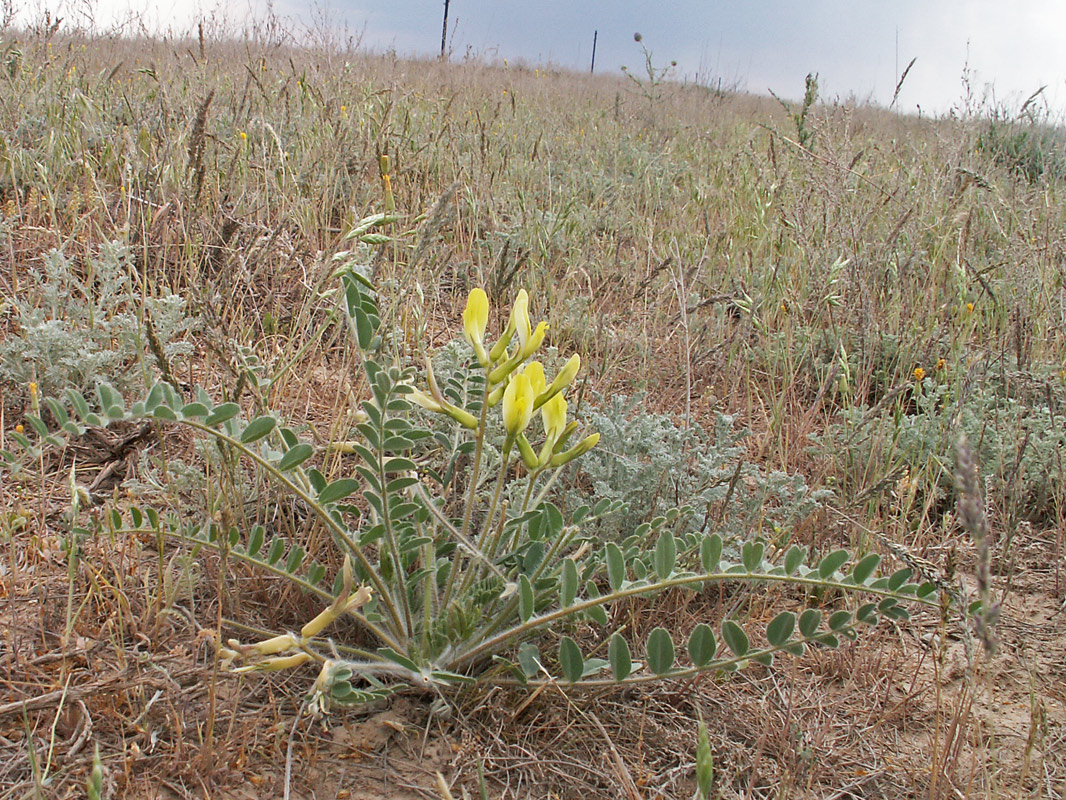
(689, 247)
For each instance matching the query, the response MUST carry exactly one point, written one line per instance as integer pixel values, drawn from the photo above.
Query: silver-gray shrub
(79, 325)
(651, 464)
(1017, 442)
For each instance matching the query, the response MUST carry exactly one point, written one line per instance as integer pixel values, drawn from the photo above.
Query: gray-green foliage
(650, 463)
(463, 588)
(1029, 145)
(1018, 443)
(79, 324)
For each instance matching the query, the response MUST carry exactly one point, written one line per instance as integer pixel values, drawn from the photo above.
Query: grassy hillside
(785, 323)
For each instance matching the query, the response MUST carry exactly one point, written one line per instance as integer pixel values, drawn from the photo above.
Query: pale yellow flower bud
(520, 317)
(420, 398)
(562, 380)
(553, 413)
(529, 458)
(278, 663)
(574, 452)
(517, 405)
(319, 623)
(278, 644)
(475, 320)
(534, 342)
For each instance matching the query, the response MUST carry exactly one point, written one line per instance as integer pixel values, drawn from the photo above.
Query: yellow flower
(244, 136)
(969, 308)
(420, 398)
(517, 405)
(580, 449)
(535, 372)
(562, 380)
(529, 340)
(19, 428)
(941, 365)
(442, 406)
(520, 318)
(553, 414)
(475, 320)
(919, 374)
(534, 342)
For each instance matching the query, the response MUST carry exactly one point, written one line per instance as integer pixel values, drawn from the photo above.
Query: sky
(1004, 50)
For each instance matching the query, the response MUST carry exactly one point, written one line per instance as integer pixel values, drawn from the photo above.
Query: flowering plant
(447, 592)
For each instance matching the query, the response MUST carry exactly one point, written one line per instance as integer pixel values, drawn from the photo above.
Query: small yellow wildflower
(244, 136)
(517, 405)
(475, 319)
(941, 364)
(19, 428)
(969, 308)
(919, 374)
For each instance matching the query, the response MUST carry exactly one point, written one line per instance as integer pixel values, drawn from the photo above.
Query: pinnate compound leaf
(865, 568)
(255, 542)
(295, 456)
(525, 598)
(793, 558)
(831, 563)
(701, 645)
(840, 620)
(619, 656)
(735, 638)
(616, 566)
(780, 628)
(568, 583)
(570, 659)
(899, 578)
(809, 621)
(338, 489)
(660, 651)
(221, 413)
(529, 659)
(665, 555)
(751, 555)
(711, 552)
(257, 429)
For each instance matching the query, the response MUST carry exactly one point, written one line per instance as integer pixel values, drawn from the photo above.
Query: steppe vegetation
(819, 333)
